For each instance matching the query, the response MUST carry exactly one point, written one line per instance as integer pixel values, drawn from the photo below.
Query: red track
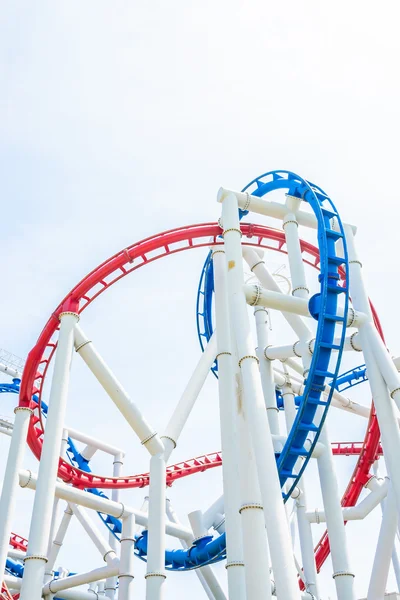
(108, 273)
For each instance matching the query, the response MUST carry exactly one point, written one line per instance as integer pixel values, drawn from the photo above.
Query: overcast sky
(122, 119)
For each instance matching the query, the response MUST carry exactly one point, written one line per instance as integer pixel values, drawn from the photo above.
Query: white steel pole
(111, 583)
(384, 549)
(343, 576)
(266, 370)
(189, 397)
(58, 540)
(66, 583)
(155, 573)
(108, 554)
(11, 476)
(206, 575)
(255, 544)
(35, 561)
(296, 264)
(148, 438)
(304, 526)
(385, 409)
(228, 423)
(274, 510)
(126, 566)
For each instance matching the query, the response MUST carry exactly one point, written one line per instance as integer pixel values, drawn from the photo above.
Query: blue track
(323, 306)
(324, 367)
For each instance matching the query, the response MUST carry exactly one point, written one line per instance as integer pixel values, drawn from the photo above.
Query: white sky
(119, 120)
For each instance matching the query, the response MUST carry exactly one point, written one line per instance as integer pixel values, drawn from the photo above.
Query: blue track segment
(323, 306)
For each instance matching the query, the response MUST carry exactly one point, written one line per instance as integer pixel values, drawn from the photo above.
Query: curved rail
(323, 307)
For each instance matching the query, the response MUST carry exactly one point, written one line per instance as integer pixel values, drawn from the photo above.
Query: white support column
(304, 526)
(189, 397)
(155, 573)
(255, 544)
(11, 479)
(126, 566)
(384, 549)
(229, 434)
(385, 408)
(266, 370)
(274, 510)
(35, 562)
(291, 228)
(111, 583)
(148, 437)
(343, 576)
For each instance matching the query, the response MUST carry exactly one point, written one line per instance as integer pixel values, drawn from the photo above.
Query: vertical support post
(155, 574)
(384, 548)
(35, 561)
(266, 370)
(291, 228)
(111, 582)
(343, 576)
(304, 526)
(274, 510)
(385, 409)
(11, 478)
(125, 576)
(255, 544)
(228, 423)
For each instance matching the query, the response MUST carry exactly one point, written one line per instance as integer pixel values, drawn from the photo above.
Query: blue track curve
(323, 306)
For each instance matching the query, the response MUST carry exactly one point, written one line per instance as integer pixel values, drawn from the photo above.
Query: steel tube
(100, 504)
(266, 371)
(155, 572)
(254, 406)
(108, 554)
(16, 583)
(126, 565)
(228, 424)
(111, 582)
(118, 395)
(258, 267)
(58, 540)
(35, 561)
(10, 482)
(296, 265)
(344, 578)
(189, 397)
(56, 585)
(384, 549)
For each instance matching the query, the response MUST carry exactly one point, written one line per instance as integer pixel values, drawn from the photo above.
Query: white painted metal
(189, 397)
(35, 561)
(384, 549)
(126, 566)
(229, 435)
(274, 511)
(10, 482)
(155, 573)
(342, 573)
(148, 437)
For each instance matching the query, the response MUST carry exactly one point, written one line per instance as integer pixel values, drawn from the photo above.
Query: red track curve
(108, 273)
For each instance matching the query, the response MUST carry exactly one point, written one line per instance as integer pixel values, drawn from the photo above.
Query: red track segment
(98, 281)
